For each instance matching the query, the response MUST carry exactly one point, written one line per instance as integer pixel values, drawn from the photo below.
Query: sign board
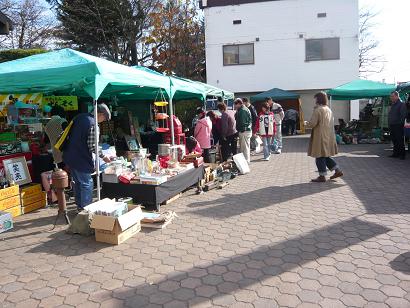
(31, 98)
(16, 169)
(69, 103)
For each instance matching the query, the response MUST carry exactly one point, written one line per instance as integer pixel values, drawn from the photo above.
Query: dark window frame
(321, 40)
(238, 45)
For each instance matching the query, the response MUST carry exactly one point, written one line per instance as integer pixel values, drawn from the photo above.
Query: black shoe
(394, 156)
(402, 157)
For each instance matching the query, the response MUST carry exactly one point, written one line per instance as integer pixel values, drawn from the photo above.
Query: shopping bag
(258, 144)
(63, 138)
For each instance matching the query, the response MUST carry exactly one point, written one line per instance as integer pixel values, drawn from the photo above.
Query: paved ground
(270, 239)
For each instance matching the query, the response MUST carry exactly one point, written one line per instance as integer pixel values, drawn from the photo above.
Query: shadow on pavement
(227, 206)
(402, 263)
(229, 275)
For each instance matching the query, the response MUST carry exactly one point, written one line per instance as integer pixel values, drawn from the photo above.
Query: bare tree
(370, 61)
(33, 24)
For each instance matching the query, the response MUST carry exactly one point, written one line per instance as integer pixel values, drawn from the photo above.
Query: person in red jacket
(265, 127)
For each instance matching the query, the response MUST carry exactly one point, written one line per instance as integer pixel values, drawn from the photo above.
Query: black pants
(290, 127)
(206, 155)
(229, 146)
(397, 137)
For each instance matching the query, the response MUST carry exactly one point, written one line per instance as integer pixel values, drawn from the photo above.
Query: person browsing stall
(202, 133)
(244, 127)
(78, 154)
(53, 130)
(229, 135)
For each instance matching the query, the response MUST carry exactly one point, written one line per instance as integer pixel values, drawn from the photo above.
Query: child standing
(266, 128)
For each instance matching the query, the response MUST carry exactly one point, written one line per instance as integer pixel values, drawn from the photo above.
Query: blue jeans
(266, 144)
(83, 188)
(277, 138)
(324, 163)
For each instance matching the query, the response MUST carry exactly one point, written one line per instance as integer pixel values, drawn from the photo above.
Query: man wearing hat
(78, 154)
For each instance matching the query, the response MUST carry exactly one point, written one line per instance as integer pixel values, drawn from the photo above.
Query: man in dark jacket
(397, 116)
(78, 154)
(244, 127)
(228, 133)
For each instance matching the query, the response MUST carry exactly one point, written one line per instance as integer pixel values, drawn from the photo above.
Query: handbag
(62, 141)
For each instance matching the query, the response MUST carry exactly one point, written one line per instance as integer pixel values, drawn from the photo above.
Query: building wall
(280, 53)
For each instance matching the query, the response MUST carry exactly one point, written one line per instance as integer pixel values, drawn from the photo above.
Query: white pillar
(97, 157)
(171, 112)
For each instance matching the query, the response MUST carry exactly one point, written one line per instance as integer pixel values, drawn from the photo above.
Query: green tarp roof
(275, 94)
(214, 91)
(69, 71)
(360, 88)
(181, 83)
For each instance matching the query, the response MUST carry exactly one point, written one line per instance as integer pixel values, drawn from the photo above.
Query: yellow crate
(34, 206)
(9, 192)
(14, 211)
(31, 190)
(33, 198)
(9, 202)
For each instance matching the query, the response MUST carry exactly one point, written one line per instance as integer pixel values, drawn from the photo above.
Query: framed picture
(132, 143)
(16, 169)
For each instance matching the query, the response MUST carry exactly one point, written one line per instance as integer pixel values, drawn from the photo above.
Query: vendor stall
(154, 195)
(76, 81)
(372, 126)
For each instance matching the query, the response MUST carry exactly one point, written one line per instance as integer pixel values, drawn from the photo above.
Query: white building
(297, 45)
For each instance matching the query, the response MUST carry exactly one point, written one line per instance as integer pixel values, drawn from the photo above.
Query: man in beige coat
(323, 140)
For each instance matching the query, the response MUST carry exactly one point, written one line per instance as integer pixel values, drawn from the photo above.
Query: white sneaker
(266, 159)
(279, 151)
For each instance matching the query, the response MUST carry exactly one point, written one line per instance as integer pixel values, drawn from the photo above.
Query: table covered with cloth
(154, 194)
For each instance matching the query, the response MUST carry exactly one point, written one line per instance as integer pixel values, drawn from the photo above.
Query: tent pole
(97, 148)
(171, 111)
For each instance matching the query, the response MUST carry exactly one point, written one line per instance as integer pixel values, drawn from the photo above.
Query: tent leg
(97, 148)
(171, 111)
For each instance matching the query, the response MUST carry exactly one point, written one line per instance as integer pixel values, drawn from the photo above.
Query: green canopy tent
(71, 72)
(358, 89)
(216, 92)
(276, 94)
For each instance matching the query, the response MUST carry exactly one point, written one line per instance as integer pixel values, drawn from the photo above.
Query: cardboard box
(14, 211)
(34, 206)
(6, 222)
(9, 202)
(117, 230)
(30, 199)
(9, 192)
(31, 190)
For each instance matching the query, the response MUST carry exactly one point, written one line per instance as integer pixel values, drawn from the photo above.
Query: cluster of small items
(139, 169)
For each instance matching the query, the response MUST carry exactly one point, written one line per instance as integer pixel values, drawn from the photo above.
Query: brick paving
(269, 239)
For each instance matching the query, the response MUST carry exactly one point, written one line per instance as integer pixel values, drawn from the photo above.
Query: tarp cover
(360, 88)
(276, 94)
(76, 73)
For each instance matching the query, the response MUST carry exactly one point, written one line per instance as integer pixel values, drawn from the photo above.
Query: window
(323, 49)
(321, 15)
(238, 54)
(237, 22)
